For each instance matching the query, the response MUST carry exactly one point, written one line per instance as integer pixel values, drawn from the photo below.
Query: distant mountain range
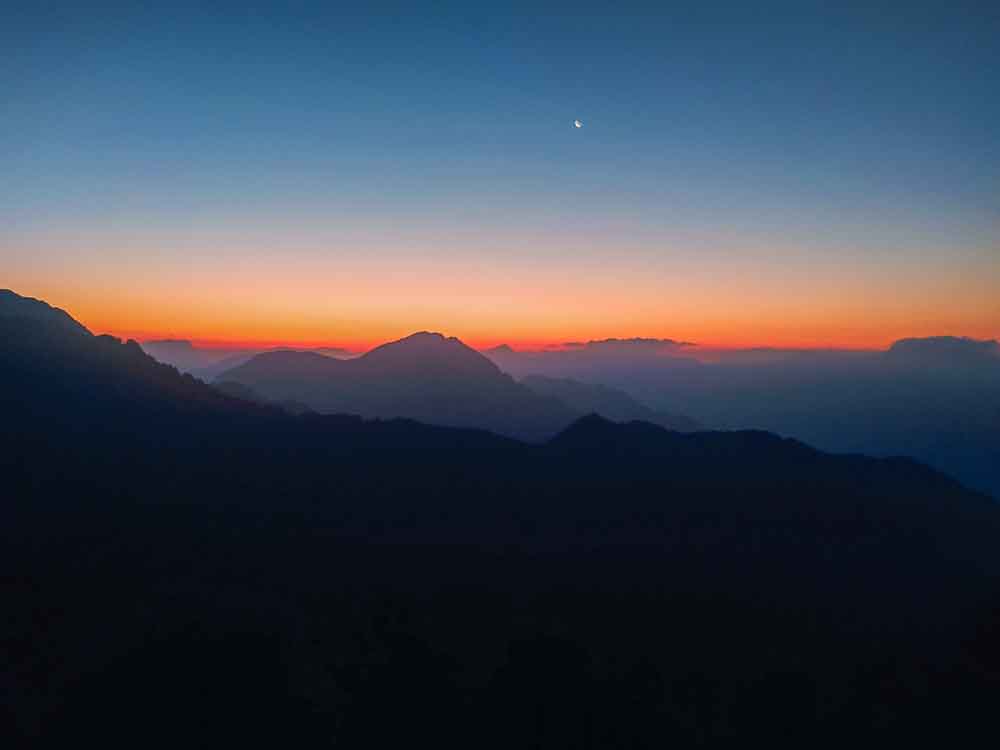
(426, 377)
(213, 568)
(437, 380)
(614, 404)
(54, 368)
(208, 363)
(595, 361)
(936, 399)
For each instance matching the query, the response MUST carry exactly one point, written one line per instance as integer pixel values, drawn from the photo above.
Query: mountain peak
(599, 436)
(430, 352)
(284, 363)
(590, 422)
(425, 338)
(13, 305)
(586, 430)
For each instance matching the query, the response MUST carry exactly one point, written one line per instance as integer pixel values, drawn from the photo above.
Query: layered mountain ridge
(222, 570)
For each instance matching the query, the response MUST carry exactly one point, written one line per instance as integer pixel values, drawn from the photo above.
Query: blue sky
(866, 131)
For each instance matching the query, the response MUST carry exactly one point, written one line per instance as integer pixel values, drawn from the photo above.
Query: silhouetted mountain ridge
(208, 363)
(215, 569)
(27, 308)
(585, 398)
(430, 353)
(936, 399)
(437, 379)
(426, 376)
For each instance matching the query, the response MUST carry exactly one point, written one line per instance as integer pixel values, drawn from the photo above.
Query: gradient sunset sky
(793, 174)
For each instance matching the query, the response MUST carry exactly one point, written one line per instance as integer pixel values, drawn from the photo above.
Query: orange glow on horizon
(715, 329)
(719, 344)
(531, 298)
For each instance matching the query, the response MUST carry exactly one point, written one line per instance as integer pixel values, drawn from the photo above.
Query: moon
(577, 124)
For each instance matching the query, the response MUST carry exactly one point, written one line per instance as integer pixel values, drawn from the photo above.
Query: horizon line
(200, 343)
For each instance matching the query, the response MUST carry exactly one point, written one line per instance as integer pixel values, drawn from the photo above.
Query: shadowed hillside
(611, 403)
(208, 364)
(935, 399)
(425, 376)
(180, 564)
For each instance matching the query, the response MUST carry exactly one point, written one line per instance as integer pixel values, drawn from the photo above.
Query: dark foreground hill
(185, 568)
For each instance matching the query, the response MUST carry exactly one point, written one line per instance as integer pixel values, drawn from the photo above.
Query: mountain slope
(60, 386)
(206, 363)
(616, 405)
(425, 376)
(220, 570)
(76, 376)
(934, 399)
(14, 307)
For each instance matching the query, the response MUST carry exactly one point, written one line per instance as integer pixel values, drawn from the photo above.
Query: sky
(780, 174)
